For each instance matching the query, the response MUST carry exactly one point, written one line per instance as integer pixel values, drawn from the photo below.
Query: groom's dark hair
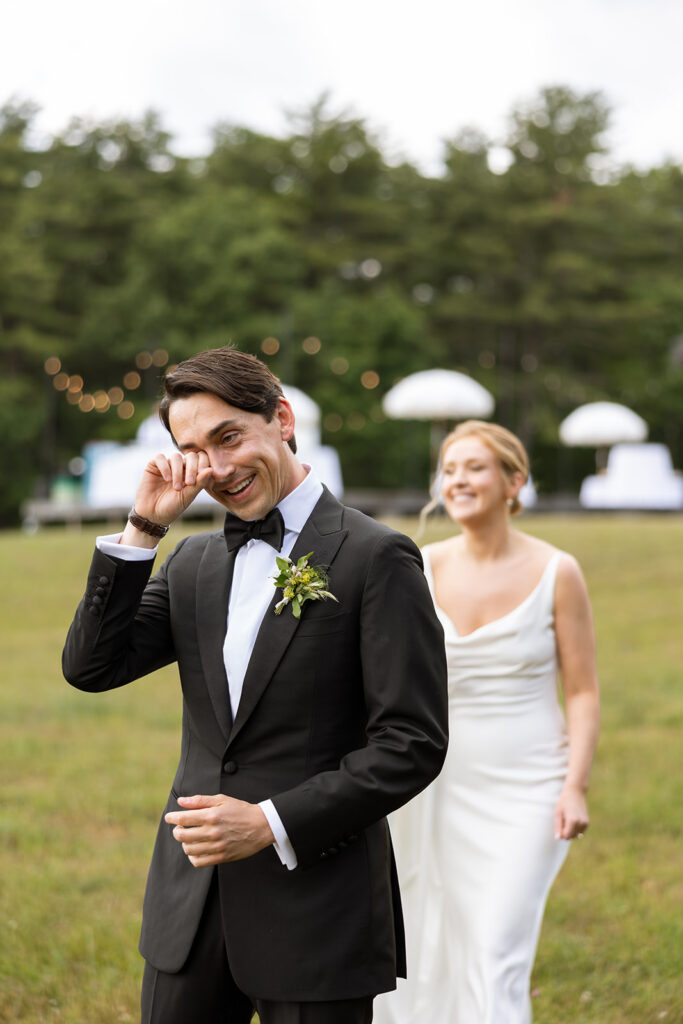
(233, 376)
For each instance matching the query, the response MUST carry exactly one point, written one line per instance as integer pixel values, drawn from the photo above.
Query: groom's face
(253, 467)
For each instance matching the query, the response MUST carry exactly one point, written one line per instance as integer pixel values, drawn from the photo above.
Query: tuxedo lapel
(322, 535)
(214, 578)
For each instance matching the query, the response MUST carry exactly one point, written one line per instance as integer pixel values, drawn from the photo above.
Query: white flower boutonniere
(300, 583)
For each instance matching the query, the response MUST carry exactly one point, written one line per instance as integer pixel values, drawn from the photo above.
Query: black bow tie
(271, 530)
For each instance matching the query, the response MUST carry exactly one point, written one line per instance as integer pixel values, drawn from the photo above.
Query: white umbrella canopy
(599, 424)
(438, 395)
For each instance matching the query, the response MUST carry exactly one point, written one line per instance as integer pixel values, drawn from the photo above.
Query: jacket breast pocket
(314, 623)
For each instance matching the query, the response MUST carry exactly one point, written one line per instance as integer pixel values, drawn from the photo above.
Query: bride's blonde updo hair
(506, 446)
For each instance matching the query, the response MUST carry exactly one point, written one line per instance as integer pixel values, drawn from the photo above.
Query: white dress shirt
(250, 594)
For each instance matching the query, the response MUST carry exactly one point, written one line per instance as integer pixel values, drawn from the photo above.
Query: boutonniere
(300, 583)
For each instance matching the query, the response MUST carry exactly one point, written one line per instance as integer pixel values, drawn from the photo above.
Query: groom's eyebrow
(210, 434)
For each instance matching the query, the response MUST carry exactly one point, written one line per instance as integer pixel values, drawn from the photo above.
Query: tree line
(549, 276)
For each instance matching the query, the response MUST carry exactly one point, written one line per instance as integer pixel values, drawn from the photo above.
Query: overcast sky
(417, 72)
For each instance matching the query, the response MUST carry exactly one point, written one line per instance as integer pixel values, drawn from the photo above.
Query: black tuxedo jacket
(342, 718)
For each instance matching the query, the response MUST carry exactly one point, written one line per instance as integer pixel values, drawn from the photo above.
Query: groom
(272, 885)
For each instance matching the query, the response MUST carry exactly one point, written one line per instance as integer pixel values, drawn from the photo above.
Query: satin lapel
(322, 534)
(214, 578)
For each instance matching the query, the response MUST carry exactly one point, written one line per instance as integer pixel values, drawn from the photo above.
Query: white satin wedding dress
(476, 851)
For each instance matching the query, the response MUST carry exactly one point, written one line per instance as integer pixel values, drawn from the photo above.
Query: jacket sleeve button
(103, 580)
(230, 767)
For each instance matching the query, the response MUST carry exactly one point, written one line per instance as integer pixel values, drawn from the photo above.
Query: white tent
(638, 476)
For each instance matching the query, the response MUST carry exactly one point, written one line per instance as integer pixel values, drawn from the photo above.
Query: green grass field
(85, 777)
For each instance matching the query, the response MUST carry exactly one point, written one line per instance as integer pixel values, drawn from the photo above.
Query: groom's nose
(222, 463)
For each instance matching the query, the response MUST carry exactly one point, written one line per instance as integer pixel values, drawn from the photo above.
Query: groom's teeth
(240, 487)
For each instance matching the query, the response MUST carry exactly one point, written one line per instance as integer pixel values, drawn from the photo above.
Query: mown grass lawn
(83, 779)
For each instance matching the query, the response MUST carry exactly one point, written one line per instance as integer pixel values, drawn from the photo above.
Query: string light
(333, 422)
(369, 379)
(102, 401)
(143, 360)
(125, 410)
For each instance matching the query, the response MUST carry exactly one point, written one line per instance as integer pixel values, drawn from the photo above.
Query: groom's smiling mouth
(237, 489)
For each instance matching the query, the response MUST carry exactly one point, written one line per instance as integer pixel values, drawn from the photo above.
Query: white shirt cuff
(283, 846)
(109, 544)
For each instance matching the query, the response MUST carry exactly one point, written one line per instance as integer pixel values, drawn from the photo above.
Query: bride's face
(473, 485)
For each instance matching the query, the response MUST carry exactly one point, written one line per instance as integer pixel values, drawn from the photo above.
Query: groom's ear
(285, 415)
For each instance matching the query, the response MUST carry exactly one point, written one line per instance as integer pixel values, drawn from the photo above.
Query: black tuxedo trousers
(343, 718)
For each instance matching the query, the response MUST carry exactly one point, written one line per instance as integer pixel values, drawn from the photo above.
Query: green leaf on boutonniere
(300, 583)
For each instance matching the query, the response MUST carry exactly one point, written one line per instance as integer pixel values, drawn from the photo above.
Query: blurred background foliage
(535, 266)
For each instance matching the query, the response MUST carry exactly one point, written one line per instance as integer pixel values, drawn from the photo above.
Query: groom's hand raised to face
(168, 485)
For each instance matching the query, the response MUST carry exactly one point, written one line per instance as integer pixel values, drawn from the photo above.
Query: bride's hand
(571, 813)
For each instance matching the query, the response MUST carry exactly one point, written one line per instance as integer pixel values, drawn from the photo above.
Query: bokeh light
(143, 360)
(333, 422)
(370, 269)
(73, 397)
(86, 403)
(61, 381)
(160, 357)
(486, 359)
(369, 379)
(311, 345)
(53, 365)
(115, 395)
(75, 382)
(125, 410)
(423, 293)
(270, 346)
(131, 381)
(101, 399)
(356, 420)
(339, 365)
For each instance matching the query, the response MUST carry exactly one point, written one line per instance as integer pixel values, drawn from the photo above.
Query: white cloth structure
(638, 476)
(476, 851)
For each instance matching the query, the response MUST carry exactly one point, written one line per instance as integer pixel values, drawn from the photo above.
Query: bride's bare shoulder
(443, 551)
(535, 548)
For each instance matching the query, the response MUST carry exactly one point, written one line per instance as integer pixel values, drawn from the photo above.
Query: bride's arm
(576, 654)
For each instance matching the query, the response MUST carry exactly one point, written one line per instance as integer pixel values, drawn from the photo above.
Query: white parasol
(438, 395)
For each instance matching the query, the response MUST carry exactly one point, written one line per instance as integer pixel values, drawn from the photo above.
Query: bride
(478, 851)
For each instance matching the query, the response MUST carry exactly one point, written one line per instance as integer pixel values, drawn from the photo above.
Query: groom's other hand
(217, 829)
